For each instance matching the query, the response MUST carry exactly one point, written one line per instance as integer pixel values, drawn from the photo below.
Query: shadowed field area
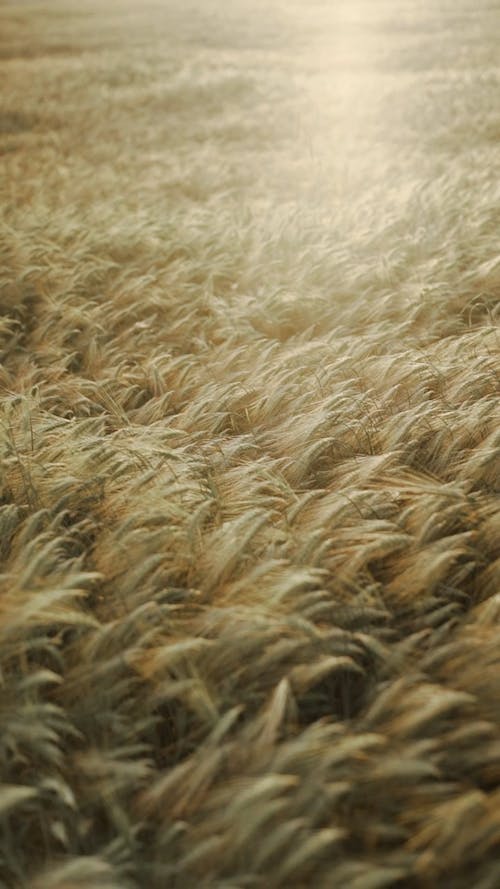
(250, 445)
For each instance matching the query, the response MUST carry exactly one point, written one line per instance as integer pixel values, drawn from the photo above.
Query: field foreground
(250, 445)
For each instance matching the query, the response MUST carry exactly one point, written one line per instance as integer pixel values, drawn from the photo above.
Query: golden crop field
(250, 444)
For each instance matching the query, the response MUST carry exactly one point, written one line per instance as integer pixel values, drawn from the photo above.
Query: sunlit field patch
(249, 444)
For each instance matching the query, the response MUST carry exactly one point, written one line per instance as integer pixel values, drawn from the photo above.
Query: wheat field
(250, 444)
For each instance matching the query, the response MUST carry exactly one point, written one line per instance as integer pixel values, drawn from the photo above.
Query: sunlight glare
(348, 112)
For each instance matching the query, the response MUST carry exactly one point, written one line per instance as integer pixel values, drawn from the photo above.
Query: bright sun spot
(351, 95)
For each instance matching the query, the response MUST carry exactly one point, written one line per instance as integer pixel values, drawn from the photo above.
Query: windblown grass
(250, 449)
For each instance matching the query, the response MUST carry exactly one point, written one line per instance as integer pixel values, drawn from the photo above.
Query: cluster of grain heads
(249, 454)
(233, 637)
